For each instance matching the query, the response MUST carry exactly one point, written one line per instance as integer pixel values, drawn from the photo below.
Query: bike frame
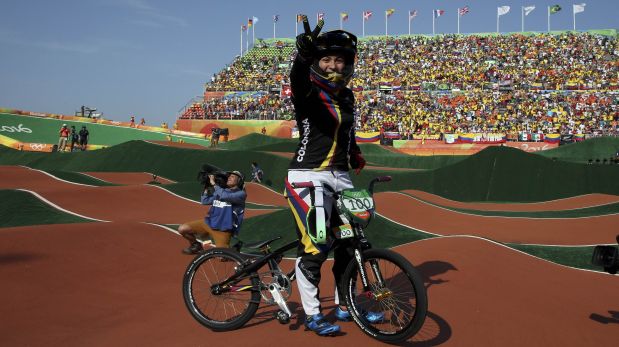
(269, 258)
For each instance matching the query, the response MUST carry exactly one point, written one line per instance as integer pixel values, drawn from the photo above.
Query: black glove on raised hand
(306, 41)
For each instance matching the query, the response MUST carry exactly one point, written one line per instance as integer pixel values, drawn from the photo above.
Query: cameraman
(224, 217)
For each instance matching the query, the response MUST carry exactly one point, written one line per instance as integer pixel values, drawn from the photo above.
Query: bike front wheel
(396, 293)
(228, 309)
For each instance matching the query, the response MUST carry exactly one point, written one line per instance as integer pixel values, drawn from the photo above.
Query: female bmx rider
(324, 111)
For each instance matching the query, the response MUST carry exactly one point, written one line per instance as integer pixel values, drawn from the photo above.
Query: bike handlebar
(378, 179)
(310, 184)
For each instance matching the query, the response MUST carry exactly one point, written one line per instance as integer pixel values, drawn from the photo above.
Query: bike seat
(260, 244)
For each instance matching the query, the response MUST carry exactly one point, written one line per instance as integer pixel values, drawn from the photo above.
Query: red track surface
(426, 217)
(583, 201)
(127, 177)
(119, 283)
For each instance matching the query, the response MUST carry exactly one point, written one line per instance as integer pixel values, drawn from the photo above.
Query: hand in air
(306, 41)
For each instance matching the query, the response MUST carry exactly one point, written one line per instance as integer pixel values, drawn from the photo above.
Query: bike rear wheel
(401, 299)
(228, 310)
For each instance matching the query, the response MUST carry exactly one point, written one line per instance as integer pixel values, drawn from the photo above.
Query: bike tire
(403, 299)
(226, 311)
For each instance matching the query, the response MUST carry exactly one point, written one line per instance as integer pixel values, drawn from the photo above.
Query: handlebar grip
(296, 185)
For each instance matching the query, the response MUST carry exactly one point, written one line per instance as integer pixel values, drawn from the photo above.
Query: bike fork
(364, 276)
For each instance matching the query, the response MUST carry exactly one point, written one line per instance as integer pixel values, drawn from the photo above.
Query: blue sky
(148, 58)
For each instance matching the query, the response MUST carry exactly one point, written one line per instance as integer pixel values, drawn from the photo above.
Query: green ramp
(507, 174)
(178, 164)
(20, 208)
(581, 152)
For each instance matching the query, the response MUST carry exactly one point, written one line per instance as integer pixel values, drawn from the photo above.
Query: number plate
(346, 232)
(358, 204)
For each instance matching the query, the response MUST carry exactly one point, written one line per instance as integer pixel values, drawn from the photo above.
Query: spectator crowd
(566, 83)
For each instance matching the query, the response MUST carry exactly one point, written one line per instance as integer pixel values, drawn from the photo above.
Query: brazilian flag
(555, 9)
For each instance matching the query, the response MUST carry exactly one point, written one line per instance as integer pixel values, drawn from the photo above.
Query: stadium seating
(559, 83)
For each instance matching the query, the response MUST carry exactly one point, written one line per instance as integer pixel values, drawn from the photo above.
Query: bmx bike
(223, 288)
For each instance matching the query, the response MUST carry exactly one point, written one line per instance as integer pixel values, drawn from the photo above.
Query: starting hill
(43, 129)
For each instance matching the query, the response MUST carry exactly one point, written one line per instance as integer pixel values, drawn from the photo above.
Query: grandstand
(523, 86)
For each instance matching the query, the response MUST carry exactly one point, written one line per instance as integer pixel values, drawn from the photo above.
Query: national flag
(250, 22)
(389, 12)
(286, 91)
(412, 14)
(275, 18)
(528, 9)
(501, 10)
(463, 11)
(255, 20)
(367, 15)
(438, 13)
(299, 18)
(344, 16)
(321, 15)
(579, 8)
(554, 9)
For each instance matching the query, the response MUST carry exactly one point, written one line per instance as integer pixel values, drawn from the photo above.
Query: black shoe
(195, 248)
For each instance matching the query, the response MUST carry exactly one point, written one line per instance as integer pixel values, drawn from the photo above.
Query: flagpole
(247, 41)
(386, 23)
(273, 29)
(363, 21)
(548, 18)
(458, 14)
(574, 15)
(340, 21)
(241, 40)
(409, 23)
(296, 27)
(521, 19)
(497, 21)
(253, 34)
(433, 23)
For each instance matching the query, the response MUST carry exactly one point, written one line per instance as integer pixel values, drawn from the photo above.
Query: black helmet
(334, 42)
(337, 41)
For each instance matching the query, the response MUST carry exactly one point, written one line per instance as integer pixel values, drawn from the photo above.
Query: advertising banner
(238, 128)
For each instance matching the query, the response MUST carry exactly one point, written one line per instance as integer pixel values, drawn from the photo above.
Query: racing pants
(310, 257)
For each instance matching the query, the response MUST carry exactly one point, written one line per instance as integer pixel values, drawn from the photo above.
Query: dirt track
(119, 283)
(423, 216)
(128, 177)
(577, 202)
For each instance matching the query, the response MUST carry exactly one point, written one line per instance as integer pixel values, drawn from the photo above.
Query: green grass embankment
(20, 208)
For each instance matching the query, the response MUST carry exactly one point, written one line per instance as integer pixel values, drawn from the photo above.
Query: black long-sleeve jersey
(326, 122)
